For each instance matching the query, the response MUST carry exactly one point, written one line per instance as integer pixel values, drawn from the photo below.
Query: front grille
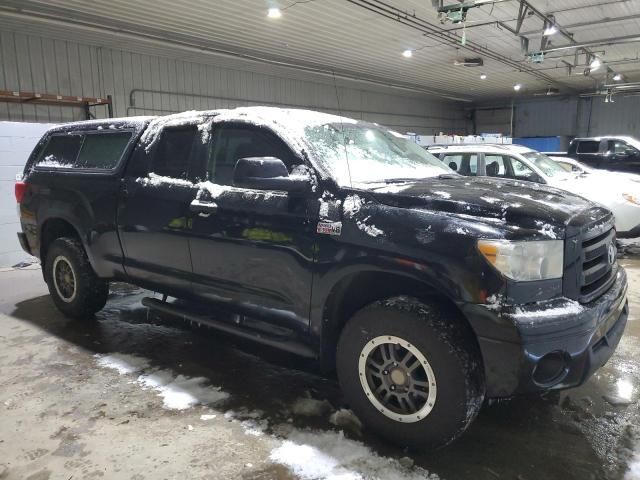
(597, 272)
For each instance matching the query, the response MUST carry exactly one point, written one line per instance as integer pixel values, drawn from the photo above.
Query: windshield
(361, 154)
(544, 163)
(632, 141)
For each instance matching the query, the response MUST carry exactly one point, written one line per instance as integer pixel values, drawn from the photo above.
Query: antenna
(346, 152)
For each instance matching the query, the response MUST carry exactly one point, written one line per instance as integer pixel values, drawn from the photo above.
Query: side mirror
(267, 173)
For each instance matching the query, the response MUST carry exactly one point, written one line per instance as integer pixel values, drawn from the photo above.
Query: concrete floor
(135, 395)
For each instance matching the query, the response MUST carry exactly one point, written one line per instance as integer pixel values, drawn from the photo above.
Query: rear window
(61, 151)
(91, 151)
(588, 146)
(102, 150)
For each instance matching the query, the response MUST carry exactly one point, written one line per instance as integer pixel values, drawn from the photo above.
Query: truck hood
(521, 204)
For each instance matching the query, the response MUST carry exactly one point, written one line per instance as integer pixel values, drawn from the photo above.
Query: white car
(618, 192)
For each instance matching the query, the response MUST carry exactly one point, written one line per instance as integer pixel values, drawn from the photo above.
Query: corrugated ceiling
(353, 37)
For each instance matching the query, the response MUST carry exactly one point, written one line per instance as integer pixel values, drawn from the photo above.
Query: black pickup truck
(337, 240)
(618, 154)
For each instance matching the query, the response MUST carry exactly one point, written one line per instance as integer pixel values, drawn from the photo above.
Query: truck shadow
(524, 438)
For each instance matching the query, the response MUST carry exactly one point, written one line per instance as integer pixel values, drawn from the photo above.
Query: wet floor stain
(585, 433)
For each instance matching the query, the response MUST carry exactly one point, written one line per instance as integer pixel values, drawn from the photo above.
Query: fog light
(551, 369)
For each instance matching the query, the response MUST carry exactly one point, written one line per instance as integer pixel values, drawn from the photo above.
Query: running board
(291, 346)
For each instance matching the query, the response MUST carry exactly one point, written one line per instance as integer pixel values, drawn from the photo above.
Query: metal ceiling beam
(596, 43)
(389, 11)
(587, 24)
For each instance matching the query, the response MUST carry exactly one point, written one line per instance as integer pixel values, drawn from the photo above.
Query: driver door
(253, 249)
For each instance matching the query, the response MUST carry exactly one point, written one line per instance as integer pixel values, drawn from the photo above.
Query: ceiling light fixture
(483, 76)
(595, 64)
(517, 87)
(617, 77)
(550, 30)
(274, 12)
(408, 53)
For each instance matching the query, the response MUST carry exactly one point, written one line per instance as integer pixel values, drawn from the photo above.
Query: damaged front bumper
(548, 345)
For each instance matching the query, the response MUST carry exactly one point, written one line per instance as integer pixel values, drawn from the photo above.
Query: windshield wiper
(443, 176)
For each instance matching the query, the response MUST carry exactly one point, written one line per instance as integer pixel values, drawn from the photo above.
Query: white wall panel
(17, 140)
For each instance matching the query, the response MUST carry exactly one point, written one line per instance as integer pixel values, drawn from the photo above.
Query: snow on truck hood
(508, 201)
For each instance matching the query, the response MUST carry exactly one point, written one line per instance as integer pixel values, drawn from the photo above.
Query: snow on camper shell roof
(103, 123)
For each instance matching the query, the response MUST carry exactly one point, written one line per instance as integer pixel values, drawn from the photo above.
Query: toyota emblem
(611, 253)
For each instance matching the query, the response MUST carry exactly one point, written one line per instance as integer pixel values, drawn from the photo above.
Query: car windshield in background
(364, 154)
(544, 163)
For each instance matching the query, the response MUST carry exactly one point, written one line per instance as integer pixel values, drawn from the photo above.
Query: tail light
(21, 189)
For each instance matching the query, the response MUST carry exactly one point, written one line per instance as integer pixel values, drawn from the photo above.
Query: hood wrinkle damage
(545, 211)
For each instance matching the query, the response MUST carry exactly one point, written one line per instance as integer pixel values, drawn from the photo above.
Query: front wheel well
(52, 229)
(358, 290)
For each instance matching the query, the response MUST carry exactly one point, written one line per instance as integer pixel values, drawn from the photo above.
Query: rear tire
(74, 286)
(411, 371)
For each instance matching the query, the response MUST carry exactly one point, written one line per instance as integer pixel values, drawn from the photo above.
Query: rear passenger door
(254, 248)
(589, 152)
(154, 217)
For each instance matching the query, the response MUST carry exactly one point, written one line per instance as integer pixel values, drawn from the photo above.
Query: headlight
(629, 197)
(525, 261)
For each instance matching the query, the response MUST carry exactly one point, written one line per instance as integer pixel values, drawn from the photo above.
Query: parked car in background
(573, 165)
(619, 194)
(615, 153)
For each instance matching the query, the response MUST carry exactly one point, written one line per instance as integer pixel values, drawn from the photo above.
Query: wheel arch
(57, 227)
(356, 290)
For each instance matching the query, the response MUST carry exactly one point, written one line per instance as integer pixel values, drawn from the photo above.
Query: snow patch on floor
(180, 393)
(331, 456)
(177, 392)
(123, 363)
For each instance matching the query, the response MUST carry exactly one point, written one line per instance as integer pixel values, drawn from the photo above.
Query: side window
(61, 151)
(453, 161)
(494, 166)
(522, 171)
(621, 147)
(231, 143)
(465, 164)
(102, 150)
(172, 155)
(588, 146)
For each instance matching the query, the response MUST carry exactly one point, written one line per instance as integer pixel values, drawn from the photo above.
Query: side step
(297, 348)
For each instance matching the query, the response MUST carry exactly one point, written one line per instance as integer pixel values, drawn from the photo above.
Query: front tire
(74, 286)
(411, 371)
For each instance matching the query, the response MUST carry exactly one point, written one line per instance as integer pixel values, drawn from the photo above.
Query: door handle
(203, 209)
